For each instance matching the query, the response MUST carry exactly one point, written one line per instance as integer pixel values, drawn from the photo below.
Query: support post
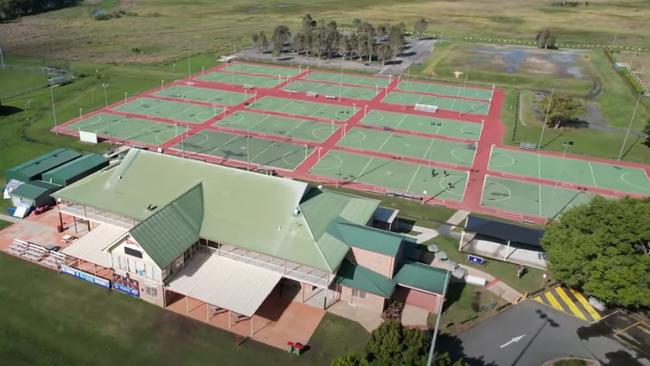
(252, 325)
(505, 256)
(462, 237)
(74, 220)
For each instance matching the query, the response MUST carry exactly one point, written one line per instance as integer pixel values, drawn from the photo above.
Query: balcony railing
(96, 215)
(288, 269)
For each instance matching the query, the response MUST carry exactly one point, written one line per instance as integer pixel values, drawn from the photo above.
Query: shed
(75, 170)
(35, 193)
(505, 232)
(33, 169)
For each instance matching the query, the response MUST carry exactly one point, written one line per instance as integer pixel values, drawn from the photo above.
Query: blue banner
(126, 289)
(85, 276)
(475, 259)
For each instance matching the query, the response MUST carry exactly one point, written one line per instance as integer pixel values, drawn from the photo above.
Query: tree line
(324, 39)
(12, 9)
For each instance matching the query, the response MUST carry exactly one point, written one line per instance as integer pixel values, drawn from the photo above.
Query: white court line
(593, 176)
(539, 166)
(215, 149)
(408, 188)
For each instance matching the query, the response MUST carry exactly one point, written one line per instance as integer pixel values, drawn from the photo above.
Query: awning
(92, 246)
(225, 283)
(504, 231)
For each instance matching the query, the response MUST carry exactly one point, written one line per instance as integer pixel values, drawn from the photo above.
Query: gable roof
(362, 278)
(422, 277)
(75, 169)
(241, 208)
(34, 168)
(170, 231)
(371, 239)
(34, 189)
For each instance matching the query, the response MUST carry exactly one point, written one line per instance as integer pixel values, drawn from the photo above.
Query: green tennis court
(445, 89)
(178, 111)
(333, 90)
(417, 123)
(451, 152)
(240, 79)
(282, 126)
(347, 79)
(581, 172)
(262, 70)
(303, 108)
(391, 174)
(451, 104)
(127, 128)
(235, 147)
(206, 95)
(530, 198)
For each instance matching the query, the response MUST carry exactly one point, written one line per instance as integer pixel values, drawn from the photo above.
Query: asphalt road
(531, 334)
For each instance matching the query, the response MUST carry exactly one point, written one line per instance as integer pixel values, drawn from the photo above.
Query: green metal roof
(171, 230)
(368, 238)
(75, 169)
(241, 208)
(34, 190)
(34, 168)
(422, 277)
(362, 278)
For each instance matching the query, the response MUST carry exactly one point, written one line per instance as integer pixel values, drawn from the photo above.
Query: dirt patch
(565, 64)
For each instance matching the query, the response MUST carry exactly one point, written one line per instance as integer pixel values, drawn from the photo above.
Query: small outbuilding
(33, 169)
(75, 170)
(34, 194)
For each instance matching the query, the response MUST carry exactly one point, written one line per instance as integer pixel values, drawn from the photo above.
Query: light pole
(104, 85)
(435, 330)
(627, 133)
(56, 129)
(2, 59)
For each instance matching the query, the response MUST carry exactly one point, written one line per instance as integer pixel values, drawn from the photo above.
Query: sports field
(183, 112)
(445, 89)
(332, 90)
(569, 170)
(240, 79)
(275, 154)
(127, 128)
(348, 79)
(392, 174)
(216, 96)
(282, 126)
(451, 104)
(530, 198)
(302, 108)
(430, 149)
(262, 70)
(417, 123)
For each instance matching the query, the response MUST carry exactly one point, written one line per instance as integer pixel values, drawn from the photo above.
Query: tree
(603, 248)
(420, 26)
(382, 30)
(396, 38)
(563, 108)
(646, 130)
(308, 22)
(280, 36)
(545, 39)
(394, 344)
(384, 52)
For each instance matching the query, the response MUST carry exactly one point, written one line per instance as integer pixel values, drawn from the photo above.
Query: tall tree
(382, 30)
(280, 36)
(396, 38)
(646, 130)
(545, 39)
(308, 22)
(420, 26)
(384, 52)
(563, 108)
(604, 249)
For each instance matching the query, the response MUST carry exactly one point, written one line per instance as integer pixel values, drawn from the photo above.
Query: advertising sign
(85, 276)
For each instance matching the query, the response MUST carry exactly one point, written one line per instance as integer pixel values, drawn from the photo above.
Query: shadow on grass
(8, 110)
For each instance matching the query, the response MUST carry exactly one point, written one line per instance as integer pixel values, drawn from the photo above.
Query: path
(8, 218)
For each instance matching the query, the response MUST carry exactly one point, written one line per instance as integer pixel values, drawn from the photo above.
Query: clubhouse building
(240, 246)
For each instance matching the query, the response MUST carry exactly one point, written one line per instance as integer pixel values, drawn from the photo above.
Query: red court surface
(491, 133)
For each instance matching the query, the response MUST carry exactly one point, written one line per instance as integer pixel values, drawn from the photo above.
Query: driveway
(531, 333)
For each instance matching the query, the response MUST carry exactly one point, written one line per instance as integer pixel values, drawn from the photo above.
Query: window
(358, 293)
(151, 291)
(133, 252)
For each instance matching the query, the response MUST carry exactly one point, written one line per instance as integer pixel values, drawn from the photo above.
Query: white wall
(145, 267)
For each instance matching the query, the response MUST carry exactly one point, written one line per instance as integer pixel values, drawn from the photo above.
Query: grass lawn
(465, 302)
(423, 215)
(586, 142)
(506, 272)
(53, 319)
(4, 224)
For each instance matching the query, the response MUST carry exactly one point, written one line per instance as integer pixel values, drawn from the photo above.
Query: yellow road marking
(572, 306)
(585, 304)
(538, 299)
(554, 303)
